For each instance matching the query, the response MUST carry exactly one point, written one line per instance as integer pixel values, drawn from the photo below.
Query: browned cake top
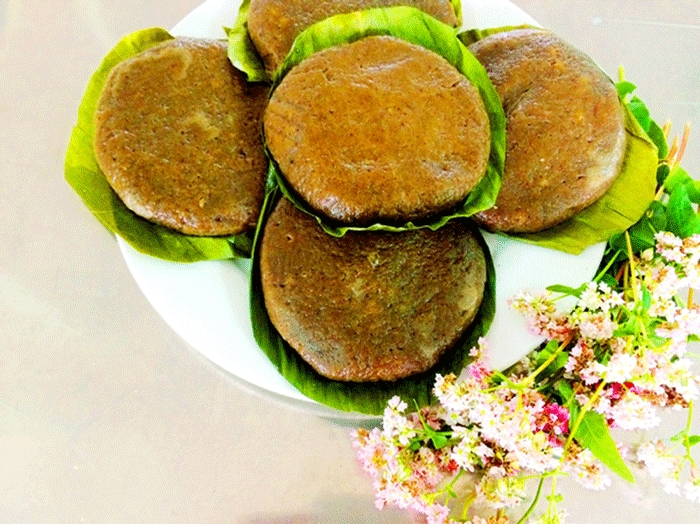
(178, 136)
(274, 24)
(378, 130)
(369, 306)
(565, 133)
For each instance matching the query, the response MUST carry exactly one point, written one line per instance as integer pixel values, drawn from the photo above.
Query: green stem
(531, 378)
(686, 441)
(633, 271)
(468, 501)
(449, 489)
(552, 497)
(534, 502)
(607, 267)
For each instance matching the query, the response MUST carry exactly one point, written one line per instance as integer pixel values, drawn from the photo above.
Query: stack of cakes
(361, 169)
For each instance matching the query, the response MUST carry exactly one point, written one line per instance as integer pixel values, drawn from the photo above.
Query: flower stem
(534, 502)
(633, 272)
(531, 378)
(606, 268)
(468, 501)
(688, 427)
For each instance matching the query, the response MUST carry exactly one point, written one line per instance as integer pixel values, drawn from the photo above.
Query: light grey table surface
(106, 415)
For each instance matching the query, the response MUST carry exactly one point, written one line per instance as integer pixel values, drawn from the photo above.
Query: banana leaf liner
(84, 175)
(414, 26)
(620, 207)
(244, 56)
(366, 398)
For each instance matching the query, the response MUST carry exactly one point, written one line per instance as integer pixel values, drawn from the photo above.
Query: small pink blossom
(554, 421)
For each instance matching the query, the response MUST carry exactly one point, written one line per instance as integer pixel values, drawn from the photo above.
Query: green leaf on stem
(594, 435)
(680, 177)
(646, 299)
(624, 89)
(662, 174)
(546, 353)
(566, 290)
(609, 280)
(682, 219)
(640, 112)
(642, 233)
(686, 439)
(642, 115)
(657, 136)
(565, 391)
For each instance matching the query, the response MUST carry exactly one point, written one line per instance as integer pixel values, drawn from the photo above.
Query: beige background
(105, 414)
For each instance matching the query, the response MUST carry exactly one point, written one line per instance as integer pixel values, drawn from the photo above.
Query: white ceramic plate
(207, 303)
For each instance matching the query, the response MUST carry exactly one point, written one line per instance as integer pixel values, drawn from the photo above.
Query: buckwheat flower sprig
(612, 360)
(484, 440)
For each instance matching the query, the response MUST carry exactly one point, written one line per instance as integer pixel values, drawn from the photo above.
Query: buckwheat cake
(378, 130)
(178, 137)
(565, 131)
(274, 24)
(369, 306)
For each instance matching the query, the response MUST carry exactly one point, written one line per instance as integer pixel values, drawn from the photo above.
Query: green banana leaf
(368, 398)
(618, 209)
(470, 36)
(414, 26)
(241, 50)
(85, 177)
(621, 206)
(244, 56)
(457, 6)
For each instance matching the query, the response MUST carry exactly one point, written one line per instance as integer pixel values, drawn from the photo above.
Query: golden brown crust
(178, 136)
(378, 130)
(565, 133)
(274, 24)
(373, 305)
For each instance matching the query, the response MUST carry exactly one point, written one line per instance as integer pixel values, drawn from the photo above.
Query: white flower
(633, 412)
(501, 492)
(663, 282)
(678, 376)
(396, 425)
(669, 246)
(590, 299)
(661, 465)
(586, 470)
(620, 368)
(555, 517)
(692, 490)
(469, 451)
(596, 326)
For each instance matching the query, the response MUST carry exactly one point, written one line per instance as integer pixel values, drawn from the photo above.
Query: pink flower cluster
(622, 354)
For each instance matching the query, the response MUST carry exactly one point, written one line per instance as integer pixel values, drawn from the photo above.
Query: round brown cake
(274, 24)
(178, 137)
(565, 131)
(378, 130)
(369, 306)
